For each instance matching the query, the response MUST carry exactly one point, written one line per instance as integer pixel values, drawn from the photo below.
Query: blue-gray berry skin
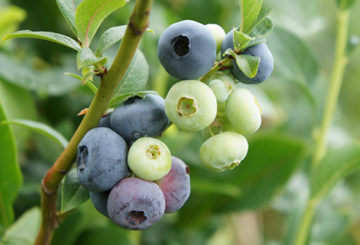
(101, 159)
(261, 50)
(99, 200)
(136, 204)
(140, 117)
(105, 121)
(176, 185)
(187, 49)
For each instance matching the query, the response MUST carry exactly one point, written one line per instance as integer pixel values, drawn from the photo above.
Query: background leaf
(10, 175)
(136, 76)
(109, 38)
(48, 36)
(86, 57)
(24, 230)
(40, 128)
(73, 194)
(90, 14)
(335, 166)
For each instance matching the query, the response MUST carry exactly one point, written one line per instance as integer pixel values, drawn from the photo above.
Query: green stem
(335, 85)
(304, 228)
(137, 25)
(330, 106)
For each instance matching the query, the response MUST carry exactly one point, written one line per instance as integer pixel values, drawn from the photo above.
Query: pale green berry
(149, 159)
(191, 105)
(243, 111)
(220, 90)
(223, 151)
(218, 33)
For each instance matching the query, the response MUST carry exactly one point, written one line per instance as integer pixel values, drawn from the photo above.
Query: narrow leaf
(10, 175)
(335, 166)
(88, 83)
(48, 36)
(68, 9)
(90, 14)
(42, 129)
(109, 38)
(264, 28)
(25, 229)
(73, 194)
(248, 64)
(86, 57)
(250, 10)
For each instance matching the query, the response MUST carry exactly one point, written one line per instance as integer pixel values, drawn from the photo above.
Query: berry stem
(137, 25)
(340, 62)
(218, 65)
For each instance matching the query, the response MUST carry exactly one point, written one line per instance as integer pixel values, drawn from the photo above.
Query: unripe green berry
(149, 158)
(191, 105)
(223, 151)
(243, 111)
(218, 33)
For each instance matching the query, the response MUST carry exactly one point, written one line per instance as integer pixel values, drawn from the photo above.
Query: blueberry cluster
(220, 108)
(131, 176)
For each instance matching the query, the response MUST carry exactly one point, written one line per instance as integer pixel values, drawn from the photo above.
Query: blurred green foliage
(258, 203)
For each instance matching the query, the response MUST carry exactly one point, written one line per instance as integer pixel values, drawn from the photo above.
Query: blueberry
(218, 33)
(136, 204)
(101, 159)
(261, 50)
(149, 158)
(105, 121)
(191, 105)
(187, 49)
(223, 151)
(139, 117)
(243, 111)
(99, 200)
(176, 185)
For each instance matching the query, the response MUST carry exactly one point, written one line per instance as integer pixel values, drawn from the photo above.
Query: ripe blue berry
(139, 117)
(99, 200)
(105, 121)
(101, 159)
(187, 49)
(261, 50)
(176, 185)
(191, 105)
(136, 204)
(223, 151)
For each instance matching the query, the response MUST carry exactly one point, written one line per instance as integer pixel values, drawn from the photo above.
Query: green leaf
(11, 16)
(25, 76)
(109, 38)
(241, 40)
(24, 230)
(264, 12)
(73, 194)
(86, 57)
(40, 128)
(201, 186)
(344, 4)
(336, 165)
(118, 100)
(90, 14)
(248, 64)
(264, 28)
(294, 59)
(10, 175)
(250, 10)
(136, 76)
(68, 9)
(270, 162)
(88, 83)
(48, 36)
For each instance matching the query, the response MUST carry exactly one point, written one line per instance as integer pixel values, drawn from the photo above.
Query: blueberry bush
(179, 122)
